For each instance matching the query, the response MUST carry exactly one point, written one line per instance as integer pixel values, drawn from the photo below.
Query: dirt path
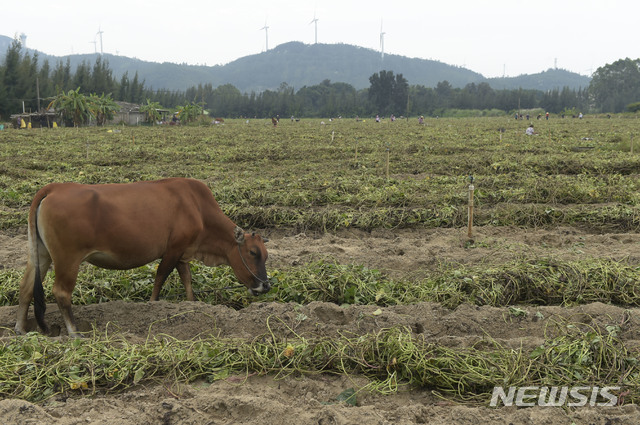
(409, 252)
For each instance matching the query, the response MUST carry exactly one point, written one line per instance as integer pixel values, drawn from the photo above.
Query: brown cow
(123, 226)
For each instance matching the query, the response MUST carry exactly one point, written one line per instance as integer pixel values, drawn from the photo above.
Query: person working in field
(530, 131)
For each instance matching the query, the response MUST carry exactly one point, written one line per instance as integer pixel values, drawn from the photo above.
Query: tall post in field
(387, 163)
(470, 222)
(356, 151)
(38, 93)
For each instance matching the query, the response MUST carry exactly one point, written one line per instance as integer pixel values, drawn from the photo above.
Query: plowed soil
(311, 399)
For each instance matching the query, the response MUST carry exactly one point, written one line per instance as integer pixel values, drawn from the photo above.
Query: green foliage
(189, 112)
(37, 368)
(306, 176)
(102, 107)
(543, 281)
(76, 109)
(73, 107)
(388, 93)
(569, 112)
(470, 113)
(281, 177)
(325, 99)
(615, 85)
(150, 111)
(633, 107)
(11, 79)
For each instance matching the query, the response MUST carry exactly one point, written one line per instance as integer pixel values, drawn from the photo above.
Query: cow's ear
(239, 235)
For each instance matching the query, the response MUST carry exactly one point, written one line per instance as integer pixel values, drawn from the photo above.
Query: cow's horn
(239, 235)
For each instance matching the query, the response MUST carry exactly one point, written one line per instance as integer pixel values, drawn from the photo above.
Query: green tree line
(25, 83)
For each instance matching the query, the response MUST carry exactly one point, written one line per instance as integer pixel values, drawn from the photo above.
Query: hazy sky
(492, 37)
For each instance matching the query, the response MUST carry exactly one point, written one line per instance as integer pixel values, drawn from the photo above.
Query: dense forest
(27, 83)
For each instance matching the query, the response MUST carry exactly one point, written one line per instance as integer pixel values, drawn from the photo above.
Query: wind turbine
(266, 35)
(315, 21)
(100, 34)
(381, 41)
(95, 49)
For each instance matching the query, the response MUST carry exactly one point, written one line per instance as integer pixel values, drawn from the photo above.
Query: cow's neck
(217, 241)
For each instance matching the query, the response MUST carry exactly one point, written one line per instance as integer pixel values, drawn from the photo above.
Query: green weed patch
(352, 174)
(543, 281)
(37, 368)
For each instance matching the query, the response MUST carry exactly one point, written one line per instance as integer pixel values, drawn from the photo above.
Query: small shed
(37, 119)
(130, 114)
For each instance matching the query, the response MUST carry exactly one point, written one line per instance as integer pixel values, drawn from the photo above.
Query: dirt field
(311, 399)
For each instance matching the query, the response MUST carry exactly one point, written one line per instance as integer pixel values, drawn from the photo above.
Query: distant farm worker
(421, 120)
(547, 116)
(530, 131)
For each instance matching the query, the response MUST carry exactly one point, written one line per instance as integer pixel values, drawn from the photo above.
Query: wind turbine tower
(100, 34)
(266, 36)
(381, 41)
(315, 21)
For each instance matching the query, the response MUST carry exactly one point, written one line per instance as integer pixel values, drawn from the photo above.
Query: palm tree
(150, 111)
(103, 108)
(72, 106)
(189, 112)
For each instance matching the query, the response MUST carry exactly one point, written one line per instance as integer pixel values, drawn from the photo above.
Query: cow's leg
(62, 289)
(166, 266)
(26, 288)
(185, 277)
(26, 295)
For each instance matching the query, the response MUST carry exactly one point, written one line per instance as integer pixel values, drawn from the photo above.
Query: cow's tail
(39, 302)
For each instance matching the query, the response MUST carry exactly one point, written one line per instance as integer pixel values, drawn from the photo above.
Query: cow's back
(123, 225)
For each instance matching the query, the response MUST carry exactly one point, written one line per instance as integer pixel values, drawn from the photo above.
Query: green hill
(546, 80)
(299, 64)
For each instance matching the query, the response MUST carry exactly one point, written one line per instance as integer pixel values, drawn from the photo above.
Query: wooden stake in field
(631, 142)
(333, 133)
(387, 163)
(470, 223)
(356, 150)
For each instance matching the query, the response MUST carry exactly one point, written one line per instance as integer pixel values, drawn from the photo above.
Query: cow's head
(248, 263)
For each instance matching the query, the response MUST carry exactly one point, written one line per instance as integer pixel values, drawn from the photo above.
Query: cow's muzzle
(263, 288)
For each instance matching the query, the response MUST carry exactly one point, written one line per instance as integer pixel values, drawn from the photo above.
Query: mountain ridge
(298, 65)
